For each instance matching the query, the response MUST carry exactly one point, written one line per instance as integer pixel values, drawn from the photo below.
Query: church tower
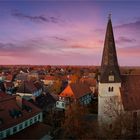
(110, 78)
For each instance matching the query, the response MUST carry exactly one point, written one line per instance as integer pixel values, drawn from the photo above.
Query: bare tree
(76, 125)
(120, 123)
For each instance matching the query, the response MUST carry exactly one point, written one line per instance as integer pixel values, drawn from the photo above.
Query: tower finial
(109, 15)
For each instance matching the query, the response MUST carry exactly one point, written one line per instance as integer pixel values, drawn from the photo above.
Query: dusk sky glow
(67, 32)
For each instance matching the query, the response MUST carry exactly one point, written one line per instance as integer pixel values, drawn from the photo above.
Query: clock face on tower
(111, 78)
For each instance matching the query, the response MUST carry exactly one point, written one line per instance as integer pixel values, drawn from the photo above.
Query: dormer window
(111, 78)
(1, 121)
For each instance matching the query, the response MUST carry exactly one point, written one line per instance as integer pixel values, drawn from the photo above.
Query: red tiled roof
(80, 89)
(8, 102)
(90, 81)
(76, 89)
(47, 77)
(130, 92)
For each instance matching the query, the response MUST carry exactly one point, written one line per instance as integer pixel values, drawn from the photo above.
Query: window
(1, 121)
(20, 126)
(111, 78)
(62, 104)
(35, 119)
(135, 122)
(1, 135)
(31, 121)
(26, 123)
(110, 126)
(15, 129)
(110, 89)
(8, 132)
(39, 117)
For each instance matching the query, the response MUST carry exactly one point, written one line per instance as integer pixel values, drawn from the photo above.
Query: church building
(116, 92)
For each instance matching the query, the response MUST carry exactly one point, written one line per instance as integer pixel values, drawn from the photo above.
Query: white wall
(61, 104)
(106, 101)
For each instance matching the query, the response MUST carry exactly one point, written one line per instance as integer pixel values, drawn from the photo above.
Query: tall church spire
(110, 72)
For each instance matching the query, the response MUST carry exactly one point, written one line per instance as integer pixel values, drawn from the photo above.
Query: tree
(74, 78)
(76, 124)
(123, 123)
(56, 87)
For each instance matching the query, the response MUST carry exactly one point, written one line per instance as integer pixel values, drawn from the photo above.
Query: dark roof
(2, 87)
(44, 101)
(21, 76)
(109, 64)
(130, 92)
(8, 84)
(31, 132)
(38, 84)
(9, 102)
(80, 89)
(26, 87)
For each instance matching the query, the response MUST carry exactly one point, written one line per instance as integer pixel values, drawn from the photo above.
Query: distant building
(9, 86)
(16, 114)
(49, 80)
(29, 90)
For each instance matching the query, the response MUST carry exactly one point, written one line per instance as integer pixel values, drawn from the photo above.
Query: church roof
(109, 64)
(130, 92)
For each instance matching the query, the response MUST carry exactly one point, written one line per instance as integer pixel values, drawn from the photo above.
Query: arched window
(110, 126)
(110, 89)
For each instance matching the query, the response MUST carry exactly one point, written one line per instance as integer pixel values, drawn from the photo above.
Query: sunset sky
(67, 32)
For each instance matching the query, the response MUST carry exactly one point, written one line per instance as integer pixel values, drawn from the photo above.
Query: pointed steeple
(110, 72)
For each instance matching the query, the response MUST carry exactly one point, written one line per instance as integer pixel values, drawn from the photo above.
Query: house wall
(86, 99)
(48, 82)
(23, 125)
(30, 95)
(37, 93)
(61, 104)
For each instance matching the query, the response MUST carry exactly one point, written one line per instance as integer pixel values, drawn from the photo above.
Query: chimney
(19, 101)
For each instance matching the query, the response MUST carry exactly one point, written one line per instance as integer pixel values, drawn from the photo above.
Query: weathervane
(109, 15)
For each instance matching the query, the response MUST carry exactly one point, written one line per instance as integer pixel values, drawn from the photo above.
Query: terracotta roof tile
(130, 92)
(90, 81)
(78, 90)
(9, 102)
